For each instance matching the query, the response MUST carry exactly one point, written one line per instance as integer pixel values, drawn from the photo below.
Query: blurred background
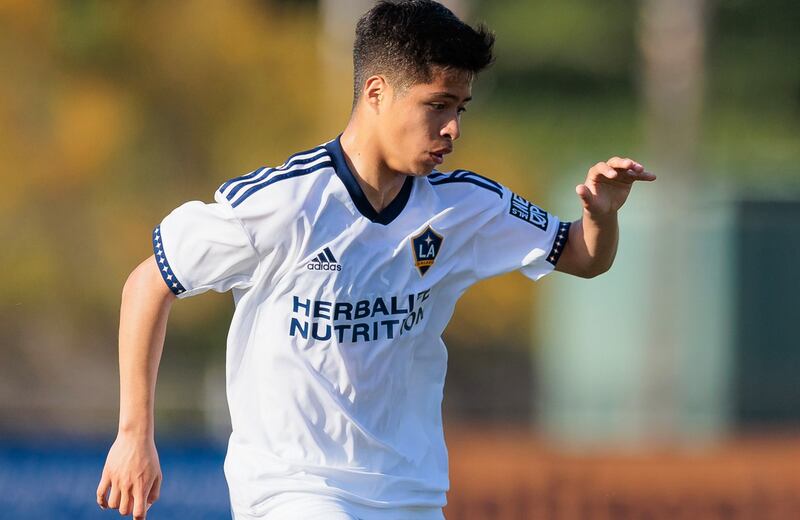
(666, 388)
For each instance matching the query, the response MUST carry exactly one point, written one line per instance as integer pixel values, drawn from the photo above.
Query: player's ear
(374, 91)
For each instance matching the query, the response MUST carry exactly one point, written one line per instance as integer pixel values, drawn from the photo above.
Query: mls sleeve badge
(425, 246)
(528, 211)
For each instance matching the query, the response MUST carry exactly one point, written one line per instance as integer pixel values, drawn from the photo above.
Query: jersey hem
(358, 504)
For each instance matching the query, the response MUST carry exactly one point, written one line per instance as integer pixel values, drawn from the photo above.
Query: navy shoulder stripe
(250, 175)
(230, 188)
(438, 178)
(319, 163)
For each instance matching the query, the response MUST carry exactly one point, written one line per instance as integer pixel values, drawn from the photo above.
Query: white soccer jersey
(335, 363)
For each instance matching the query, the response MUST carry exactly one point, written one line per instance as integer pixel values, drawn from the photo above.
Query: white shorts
(296, 505)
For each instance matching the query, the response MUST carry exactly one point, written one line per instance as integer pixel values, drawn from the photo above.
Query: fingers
(102, 490)
(144, 497)
(585, 195)
(605, 170)
(114, 497)
(621, 169)
(139, 501)
(125, 501)
(625, 164)
(155, 491)
(645, 176)
(135, 499)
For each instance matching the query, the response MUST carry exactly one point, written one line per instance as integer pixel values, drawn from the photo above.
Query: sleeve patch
(559, 243)
(163, 265)
(527, 211)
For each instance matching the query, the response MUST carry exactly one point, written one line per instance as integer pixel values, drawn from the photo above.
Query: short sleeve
(204, 246)
(519, 235)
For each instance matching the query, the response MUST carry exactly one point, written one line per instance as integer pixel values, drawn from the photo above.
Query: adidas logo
(325, 261)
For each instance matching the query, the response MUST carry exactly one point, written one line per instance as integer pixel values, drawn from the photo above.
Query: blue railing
(46, 479)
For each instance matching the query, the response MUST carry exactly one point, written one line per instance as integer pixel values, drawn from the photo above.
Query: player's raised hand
(608, 184)
(131, 479)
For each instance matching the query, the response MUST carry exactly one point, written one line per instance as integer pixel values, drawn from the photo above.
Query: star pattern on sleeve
(559, 243)
(166, 271)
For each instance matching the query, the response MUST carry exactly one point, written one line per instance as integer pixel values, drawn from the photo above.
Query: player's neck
(362, 153)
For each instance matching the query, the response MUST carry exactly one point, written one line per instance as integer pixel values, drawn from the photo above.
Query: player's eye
(438, 106)
(461, 110)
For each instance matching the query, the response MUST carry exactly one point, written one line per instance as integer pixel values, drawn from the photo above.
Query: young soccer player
(345, 264)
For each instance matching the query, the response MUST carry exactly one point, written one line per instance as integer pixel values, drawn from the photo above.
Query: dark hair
(404, 40)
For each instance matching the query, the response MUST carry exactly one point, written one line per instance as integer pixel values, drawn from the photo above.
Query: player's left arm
(593, 239)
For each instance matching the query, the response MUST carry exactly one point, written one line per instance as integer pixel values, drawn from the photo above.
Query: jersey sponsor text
(364, 320)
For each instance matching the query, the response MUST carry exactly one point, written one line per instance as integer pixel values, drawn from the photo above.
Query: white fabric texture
(292, 506)
(335, 363)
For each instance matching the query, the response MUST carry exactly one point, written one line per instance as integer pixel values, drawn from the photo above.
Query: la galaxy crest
(426, 246)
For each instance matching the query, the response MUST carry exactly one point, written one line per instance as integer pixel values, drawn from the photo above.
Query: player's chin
(424, 167)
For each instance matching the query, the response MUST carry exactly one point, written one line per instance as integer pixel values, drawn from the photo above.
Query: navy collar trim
(390, 212)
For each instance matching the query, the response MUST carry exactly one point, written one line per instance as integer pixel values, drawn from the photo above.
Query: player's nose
(452, 129)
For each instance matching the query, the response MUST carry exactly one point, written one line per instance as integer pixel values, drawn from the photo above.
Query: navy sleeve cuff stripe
(559, 243)
(163, 265)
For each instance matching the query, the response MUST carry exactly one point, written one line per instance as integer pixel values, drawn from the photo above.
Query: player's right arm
(131, 478)
(198, 247)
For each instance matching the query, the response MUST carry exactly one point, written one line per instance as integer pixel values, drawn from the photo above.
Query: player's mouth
(438, 155)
